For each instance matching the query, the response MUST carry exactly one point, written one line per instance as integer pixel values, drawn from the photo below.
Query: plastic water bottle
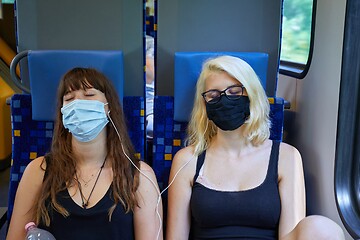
(35, 233)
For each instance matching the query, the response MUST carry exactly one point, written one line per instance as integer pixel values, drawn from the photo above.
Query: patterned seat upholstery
(150, 25)
(30, 139)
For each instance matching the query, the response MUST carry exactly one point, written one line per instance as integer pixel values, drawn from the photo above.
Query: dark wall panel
(214, 25)
(86, 25)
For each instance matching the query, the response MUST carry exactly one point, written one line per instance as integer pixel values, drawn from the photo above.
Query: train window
(298, 23)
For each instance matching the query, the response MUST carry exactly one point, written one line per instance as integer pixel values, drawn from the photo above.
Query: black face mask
(229, 114)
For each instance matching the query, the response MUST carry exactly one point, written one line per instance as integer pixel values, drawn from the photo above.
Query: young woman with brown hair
(89, 186)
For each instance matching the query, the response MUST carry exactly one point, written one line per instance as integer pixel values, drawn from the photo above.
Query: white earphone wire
(183, 166)
(153, 183)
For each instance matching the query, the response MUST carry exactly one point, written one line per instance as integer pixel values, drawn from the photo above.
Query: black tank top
(92, 223)
(250, 214)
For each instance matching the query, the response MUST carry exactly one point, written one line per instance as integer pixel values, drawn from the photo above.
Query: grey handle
(13, 74)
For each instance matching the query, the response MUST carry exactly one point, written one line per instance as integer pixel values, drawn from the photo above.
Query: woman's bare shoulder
(36, 166)
(289, 158)
(184, 154)
(146, 167)
(33, 177)
(184, 163)
(289, 152)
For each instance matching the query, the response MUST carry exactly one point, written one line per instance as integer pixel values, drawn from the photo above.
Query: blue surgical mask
(84, 118)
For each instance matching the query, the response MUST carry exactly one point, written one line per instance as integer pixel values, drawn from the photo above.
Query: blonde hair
(256, 127)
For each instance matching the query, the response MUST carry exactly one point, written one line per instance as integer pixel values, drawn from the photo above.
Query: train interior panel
(154, 50)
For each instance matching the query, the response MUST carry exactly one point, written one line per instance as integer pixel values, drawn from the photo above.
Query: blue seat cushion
(47, 67)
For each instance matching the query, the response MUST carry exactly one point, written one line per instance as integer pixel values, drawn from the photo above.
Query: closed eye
(213, 94)
(68, 97)
(90, 92)
(234, 90)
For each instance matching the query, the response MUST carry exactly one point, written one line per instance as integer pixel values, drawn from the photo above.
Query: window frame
(347, 154)
(299, 70)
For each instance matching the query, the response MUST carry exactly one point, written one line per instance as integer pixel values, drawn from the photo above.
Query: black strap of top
(274, 157)
(199, 163)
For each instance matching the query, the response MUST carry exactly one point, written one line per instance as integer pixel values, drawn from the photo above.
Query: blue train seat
(47, 67)
(33, 114)
(150, 26)
(171, 114)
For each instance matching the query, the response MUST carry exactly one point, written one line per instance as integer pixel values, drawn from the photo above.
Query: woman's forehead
(82, 89)
(81, 84)
(220, 80)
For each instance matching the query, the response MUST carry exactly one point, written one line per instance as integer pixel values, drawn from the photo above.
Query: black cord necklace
(85, 202)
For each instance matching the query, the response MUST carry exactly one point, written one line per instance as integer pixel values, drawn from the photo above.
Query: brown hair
(61, 162)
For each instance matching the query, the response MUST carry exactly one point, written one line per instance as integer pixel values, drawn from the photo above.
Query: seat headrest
(46, 68)
(188, 66)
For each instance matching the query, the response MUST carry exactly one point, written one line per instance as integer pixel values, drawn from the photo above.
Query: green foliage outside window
(8, 1)
(296, 30)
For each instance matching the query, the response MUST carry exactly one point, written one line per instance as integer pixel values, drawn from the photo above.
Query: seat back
(188, 66)
(33, 114)
(47, 67)
(171, 114)
(150, 26)
(30, 139)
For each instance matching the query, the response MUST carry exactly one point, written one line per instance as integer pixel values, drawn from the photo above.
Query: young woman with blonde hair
(232, 181)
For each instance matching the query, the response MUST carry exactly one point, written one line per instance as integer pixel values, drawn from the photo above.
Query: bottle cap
(30, 224)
